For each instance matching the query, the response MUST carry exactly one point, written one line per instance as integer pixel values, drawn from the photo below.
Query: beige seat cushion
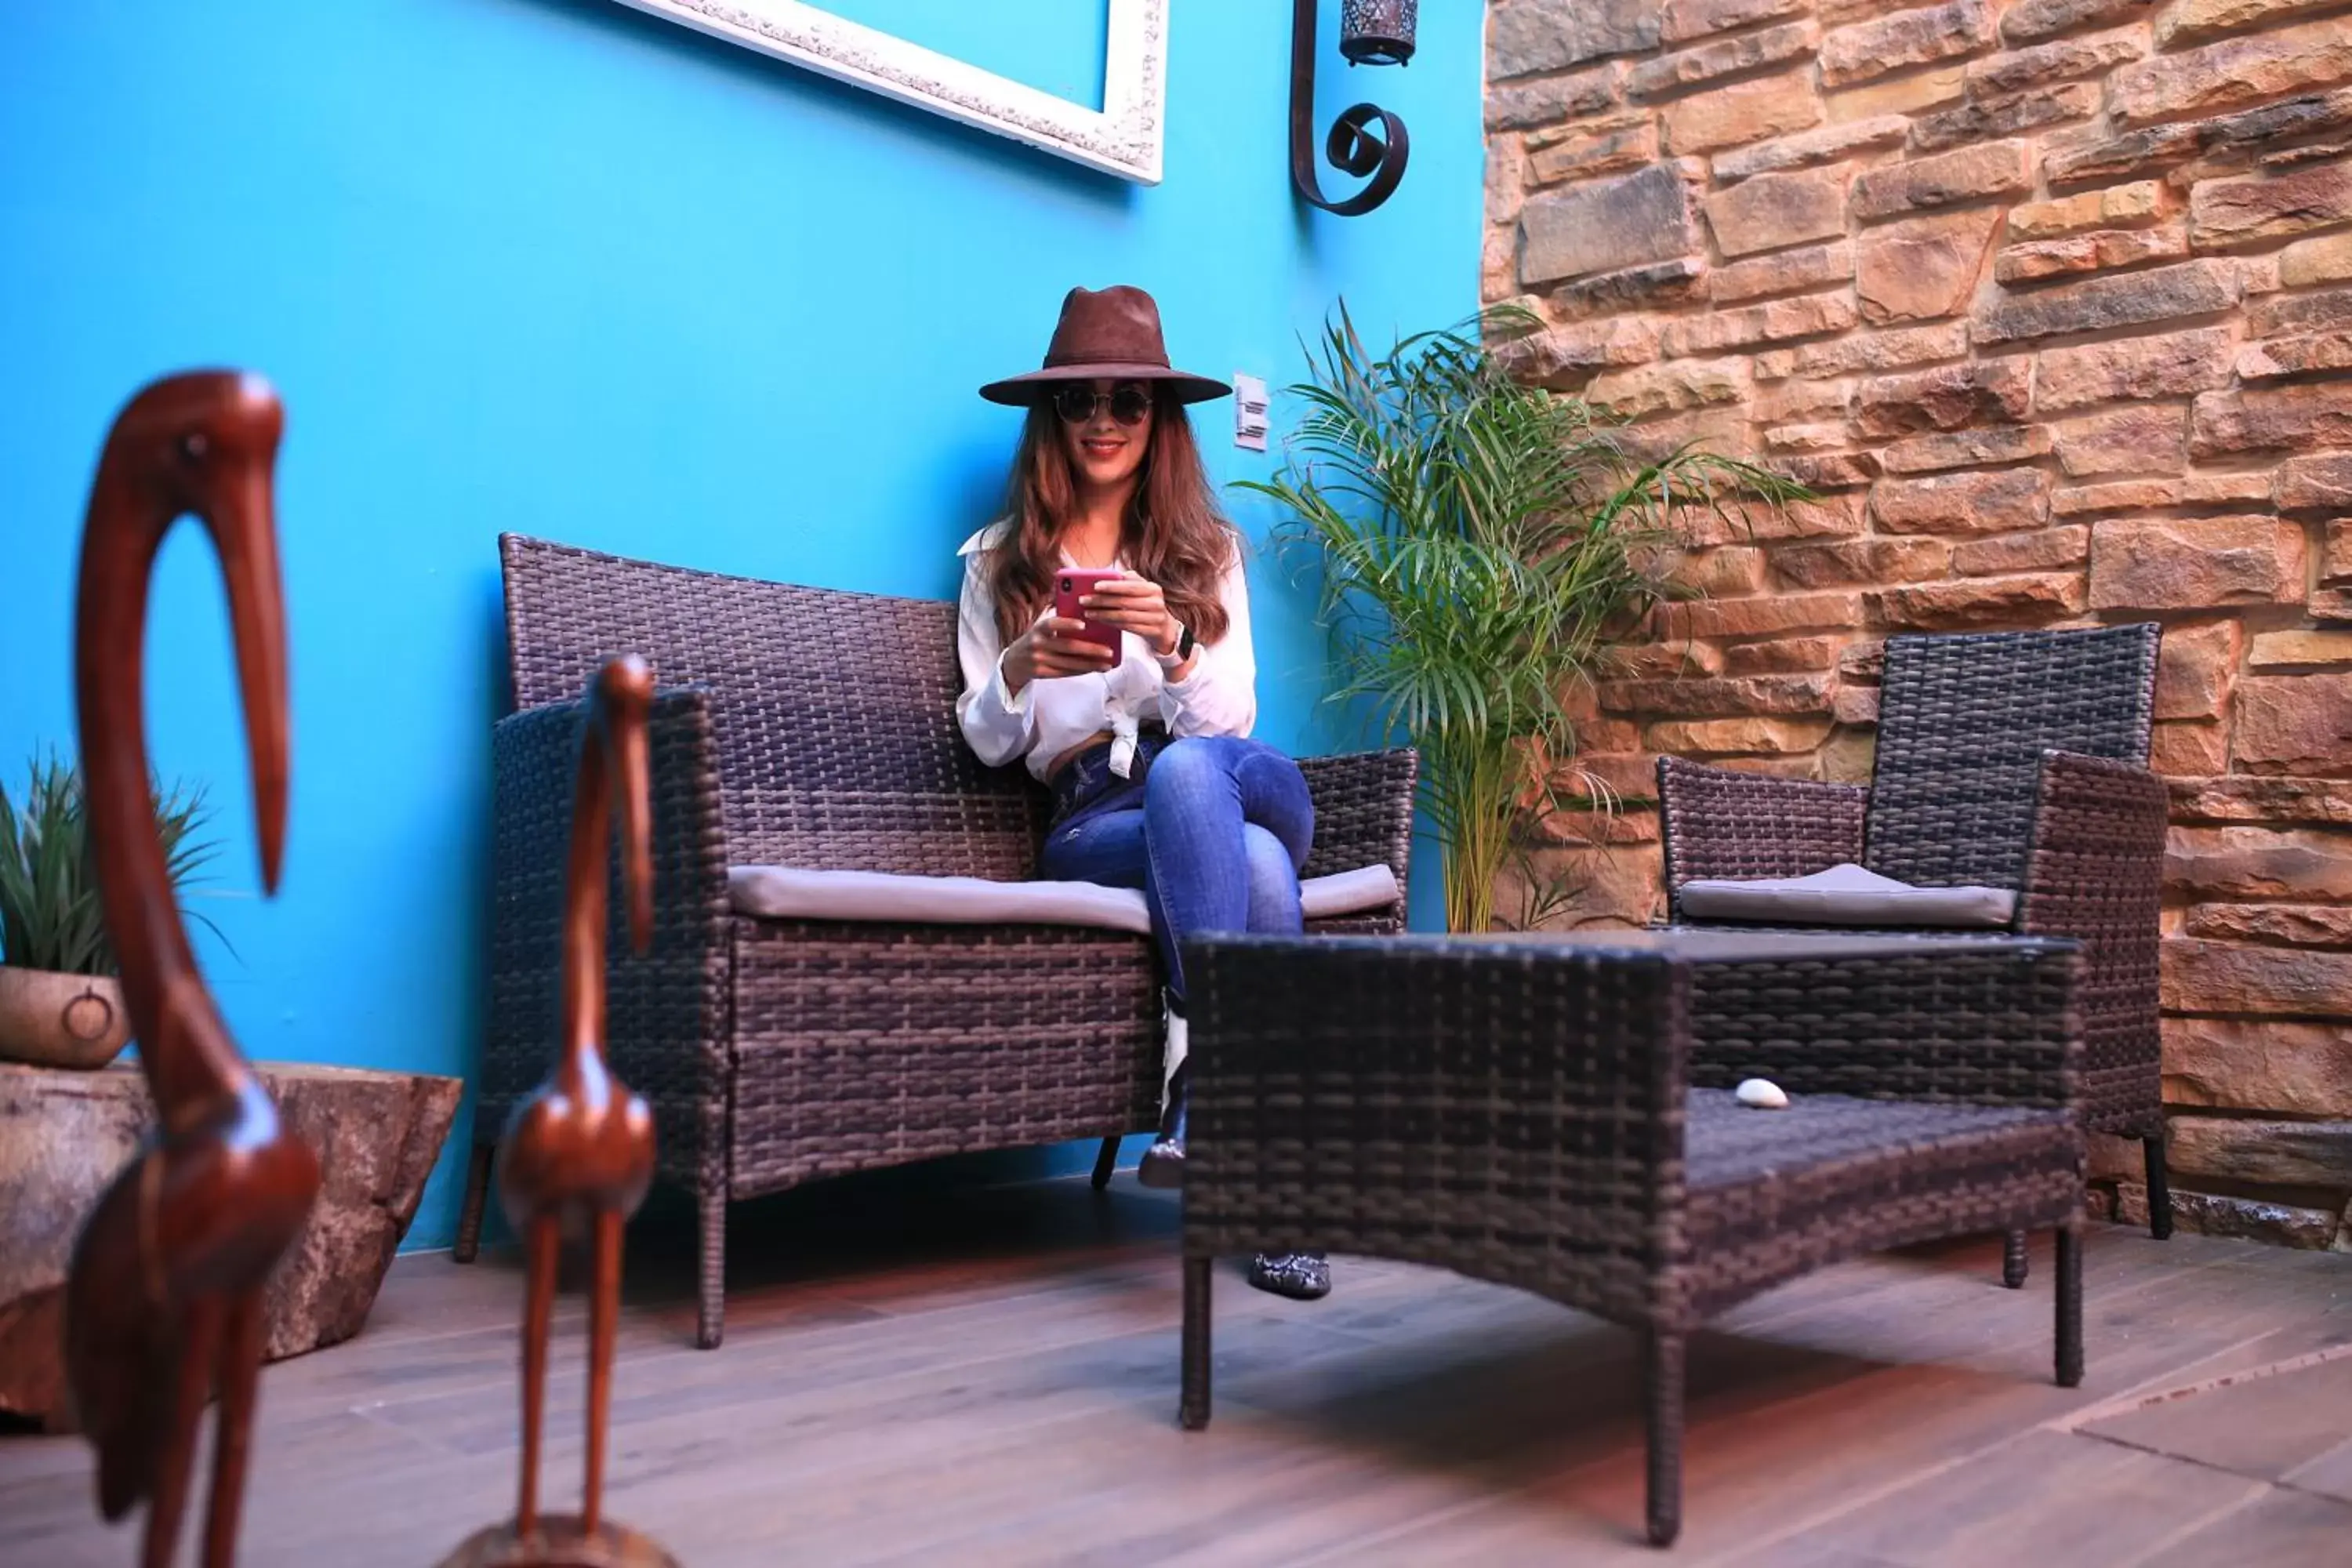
(789, 892)
(1846, 895)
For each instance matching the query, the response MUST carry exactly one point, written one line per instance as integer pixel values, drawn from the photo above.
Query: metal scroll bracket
(1367, 142)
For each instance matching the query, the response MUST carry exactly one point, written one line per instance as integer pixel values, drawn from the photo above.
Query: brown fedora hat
(1113, 334)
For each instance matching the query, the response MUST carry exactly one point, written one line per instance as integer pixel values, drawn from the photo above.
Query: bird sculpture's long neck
(585, 909)
(183, 1048)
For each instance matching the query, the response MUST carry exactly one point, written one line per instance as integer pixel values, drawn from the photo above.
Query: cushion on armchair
(1845, 895)
(788, 892)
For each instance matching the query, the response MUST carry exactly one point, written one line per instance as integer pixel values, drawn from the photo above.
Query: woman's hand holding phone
(1135, 605)
(1091, 608)
(1051, 650)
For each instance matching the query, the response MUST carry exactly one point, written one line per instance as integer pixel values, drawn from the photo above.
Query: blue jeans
(1215, 836)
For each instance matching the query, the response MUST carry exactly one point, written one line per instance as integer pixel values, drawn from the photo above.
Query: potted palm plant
(1476, 541)
(60, 1005)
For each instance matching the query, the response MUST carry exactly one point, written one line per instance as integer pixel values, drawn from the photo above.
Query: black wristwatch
(1183, 647)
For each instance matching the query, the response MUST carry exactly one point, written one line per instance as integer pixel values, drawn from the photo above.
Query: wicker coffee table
(1555, 1112)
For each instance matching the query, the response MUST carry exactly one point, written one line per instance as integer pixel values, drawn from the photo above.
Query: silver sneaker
(1300, 1276)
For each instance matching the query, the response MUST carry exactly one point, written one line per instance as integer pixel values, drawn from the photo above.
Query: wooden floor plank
(991, 1376)
(2328, 1475)
(2264, 1427)
(2277, 1528)
(2053, 1497)
(1808, 1427)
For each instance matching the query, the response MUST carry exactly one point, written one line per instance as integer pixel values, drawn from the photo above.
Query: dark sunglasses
(1076, 404)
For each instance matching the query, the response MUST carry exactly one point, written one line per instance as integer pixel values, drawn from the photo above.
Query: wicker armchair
(2013, 760)
(814, 728)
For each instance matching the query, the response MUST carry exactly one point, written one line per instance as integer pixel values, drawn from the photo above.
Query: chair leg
(1105, 1162)
(2159, 1190)
(2070, 1303)
(1662, 1378)
(2012, 1260)
(712, 1269)
(1193, 1412)
(478, 1192)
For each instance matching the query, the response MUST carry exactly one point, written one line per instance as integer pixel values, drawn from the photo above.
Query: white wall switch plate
(1249, 412)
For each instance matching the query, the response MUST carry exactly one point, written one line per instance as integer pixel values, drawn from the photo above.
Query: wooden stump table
(63, 1135)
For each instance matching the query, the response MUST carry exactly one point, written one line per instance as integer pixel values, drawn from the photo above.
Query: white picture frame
(1122, 138)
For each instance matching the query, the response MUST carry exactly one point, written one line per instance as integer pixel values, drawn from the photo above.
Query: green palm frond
(50, 917)
(1471, 539)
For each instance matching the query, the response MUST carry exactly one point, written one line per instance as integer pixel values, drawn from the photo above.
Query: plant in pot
(1477, 541)
(60, 1005)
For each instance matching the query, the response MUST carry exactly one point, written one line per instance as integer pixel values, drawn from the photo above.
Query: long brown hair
(1172, 533)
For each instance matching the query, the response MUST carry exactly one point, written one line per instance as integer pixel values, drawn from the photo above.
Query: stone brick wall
(2050, 302)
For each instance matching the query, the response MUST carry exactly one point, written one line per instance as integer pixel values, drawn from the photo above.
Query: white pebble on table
(1763, 1094)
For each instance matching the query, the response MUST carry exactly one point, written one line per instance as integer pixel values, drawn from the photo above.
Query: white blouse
(1051, 716)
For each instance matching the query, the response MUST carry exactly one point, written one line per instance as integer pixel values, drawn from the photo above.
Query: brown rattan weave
(2013, 760)
(803, 727)
(1524, 1113)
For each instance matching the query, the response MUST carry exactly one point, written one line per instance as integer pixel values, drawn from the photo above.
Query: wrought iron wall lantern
(1367, 142)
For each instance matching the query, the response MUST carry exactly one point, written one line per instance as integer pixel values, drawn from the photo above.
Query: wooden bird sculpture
(578, 1153)
(164, 1301)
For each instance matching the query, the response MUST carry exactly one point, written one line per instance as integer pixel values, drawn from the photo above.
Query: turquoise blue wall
(557, 266)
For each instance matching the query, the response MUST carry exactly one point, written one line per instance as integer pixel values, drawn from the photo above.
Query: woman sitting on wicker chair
(1156, 784)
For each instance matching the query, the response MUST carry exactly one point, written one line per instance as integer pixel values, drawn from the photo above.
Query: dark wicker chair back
(833, 713)
(1963, 722)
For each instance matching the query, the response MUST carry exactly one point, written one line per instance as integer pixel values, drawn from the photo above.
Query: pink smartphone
(1074, 583)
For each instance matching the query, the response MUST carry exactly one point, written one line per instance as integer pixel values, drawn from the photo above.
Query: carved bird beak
(629, 690)
(234, 497)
